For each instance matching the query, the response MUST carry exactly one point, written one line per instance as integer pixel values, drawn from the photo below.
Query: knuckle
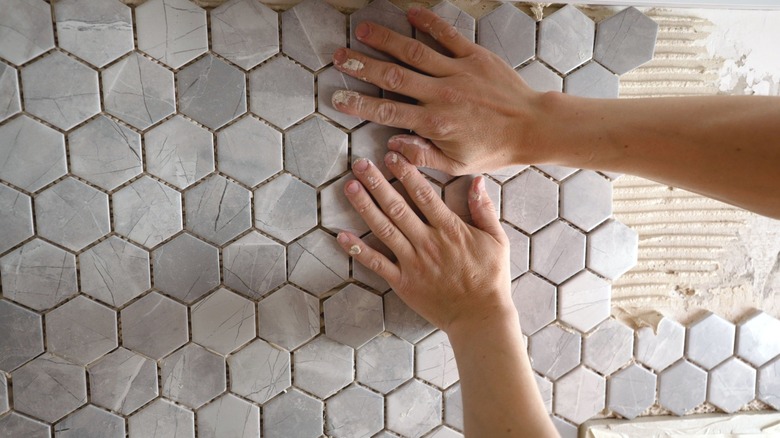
(438, 126)
(387, 113)
(450, 227)
(424, 195)
(415, 52)
(394, 77)
(450, 94)
(397, 210)
(364, 206)
(375, 264)
(385, 231)
(384, 39)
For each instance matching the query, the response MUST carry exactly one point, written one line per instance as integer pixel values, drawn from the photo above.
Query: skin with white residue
(345, 97)
(353, 65)
(354, 250)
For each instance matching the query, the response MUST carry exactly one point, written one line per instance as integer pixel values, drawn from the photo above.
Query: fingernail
(391, 158)
(340, 56)
(360, 165)
(363, 30)
(353, 187)
(413, 12)
(342, 238)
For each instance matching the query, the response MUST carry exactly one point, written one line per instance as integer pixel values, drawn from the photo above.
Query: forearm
(500, 397)
(724, 147)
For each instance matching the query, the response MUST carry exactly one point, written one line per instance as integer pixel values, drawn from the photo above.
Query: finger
(483, 212)
(405, 49)
(385, 75)
(393, 204)
(382, 111)
(440, 30)
(423, 153)
(369, 257)
(379, 223)
(420, 190)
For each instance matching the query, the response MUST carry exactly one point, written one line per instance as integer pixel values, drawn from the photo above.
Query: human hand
(451, 273)
(474, 109)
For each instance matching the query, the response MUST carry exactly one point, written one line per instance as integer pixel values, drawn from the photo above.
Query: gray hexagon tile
(609, 347)
(540, 77)
(579, 395)
(519, 245)
(114, 271)
(186, 268)
(367, 276)
(147, 212)
(682, 387)
(545, 388)
(505, 174)
(757, 342)
(661, 346)
(453, 407)
(612, 249)
(316, 263)
(554, 351)
(259, 371)
(323, 367)
(530, 201)
(229, 416)
(122, 381)
(354, 412)
(10, 102)
(710, 341)
(536, 302)
(315, 151)
(281, 92)
(293, 414)
(285, 208)
(404, 322)
(254, 265)
(631, 391)
(192, 376)
(249, 151)
(463, 22)
(584, 301)
(731, 385)
(211, 91)
(509, 33)
(237, 36)
(3, 394)
(313, 17)
(81, 330)
(105, 153)
(381, 12)
(38, 275)
(566, 39)
(14, 424)
(337, 213)
(23, 336)
(218, 209)
(769, 383)
(625, 40)
(288, 317)
(586, 199)
(384, 363)
(559, 173)
(435, 361)
(72, 214)
(154, 326)
(27, 167)
(328, 82)
(164, 419)
(179, 152)
(444, 432)
(559, 252)
(90, 421)
(593, 81)
(353, 316)
(223, 321)
(138, 91)
(25, 30)
(414, 409)
(96, 31)
(171, 31)
(49, 388)
(16, 217)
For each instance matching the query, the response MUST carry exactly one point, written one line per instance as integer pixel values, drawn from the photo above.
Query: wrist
(498, 319)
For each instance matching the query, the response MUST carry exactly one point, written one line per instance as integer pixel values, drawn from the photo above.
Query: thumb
(483, 211)
(421, 152)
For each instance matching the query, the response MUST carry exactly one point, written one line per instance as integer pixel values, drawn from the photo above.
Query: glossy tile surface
(414, 409)
(625, 40)
(682, 387)
(710, 341)
(95, 31)
(26, 30)
(384, 363)
(25, 167)
(10, 102)
(732, 384)
(579, 395)
(171, 31)
(592, 81)
(245, 32)
(566, 39)
(554, 351)
(91, 421)
(81, 330)
(249, 151)
(509, 33)
(631, 391)
(313, 17)
(229, 416)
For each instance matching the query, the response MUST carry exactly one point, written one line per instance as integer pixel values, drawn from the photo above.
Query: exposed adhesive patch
(344, 97)
(355, 250)
(352, 65)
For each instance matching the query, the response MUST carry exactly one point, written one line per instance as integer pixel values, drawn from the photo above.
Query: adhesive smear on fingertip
(354, 250)
(352, 65)
(344, 97)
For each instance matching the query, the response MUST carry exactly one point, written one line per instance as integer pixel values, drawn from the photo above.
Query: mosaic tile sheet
(159, 191)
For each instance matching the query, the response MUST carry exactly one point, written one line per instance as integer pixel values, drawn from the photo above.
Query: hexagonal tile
(710, 341)
(289, 317)
(328, 82)
(756, 340)
(236, 35)
(281, 92)
(404, 322)
(385, 362)
(366, 275)
(580, 395)
(612, 249)
(559, 252)
(559, 173)
(293, 414)
(218, 209)
(96, 31)
(463, 22)
(38, 275)
(435, 361)
(179, 152)
(505, 174)
(456, 196)
(249, 150)
(337, 213)
(519, 245)
(14, 424)
(769, 384)
(229, 416)
(414, 409)
(593, 81)
(530, 201)
(453, 407)
(442, 432)
(147, 212)
(254, 265)
(732, 385)
(323, 367)
(631, 391)
(72, 214)
(114, 271)
(541, 78)
(23, 336)
(192, 376)
(171, 31)
(554, 351)
(584, 301)
(609, 347)
(625, 40)
(545, 388)
(566, 39)
(138, 91)
(49, 388)
(31, 168)
(26, 30)
(16, 217)
(315, 151)
(60, 90)
(353, 316)
(660, 347)
(3, 394)
(122, 381)
(285, 207)
(9, 92)
(90, 421)
(81, 330)
(535, 301)
(316, 263)
(223, 321)
(186, 268)
(211, 91)
(509, 33)
(354, 412)
(259, 371)
(370, 140)
(105, 153)
(313, 17)
(586, 199)
(162, 418)
(682, 387)
(154, 326)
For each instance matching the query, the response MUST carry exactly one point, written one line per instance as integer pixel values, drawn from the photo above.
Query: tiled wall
(169, 197)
